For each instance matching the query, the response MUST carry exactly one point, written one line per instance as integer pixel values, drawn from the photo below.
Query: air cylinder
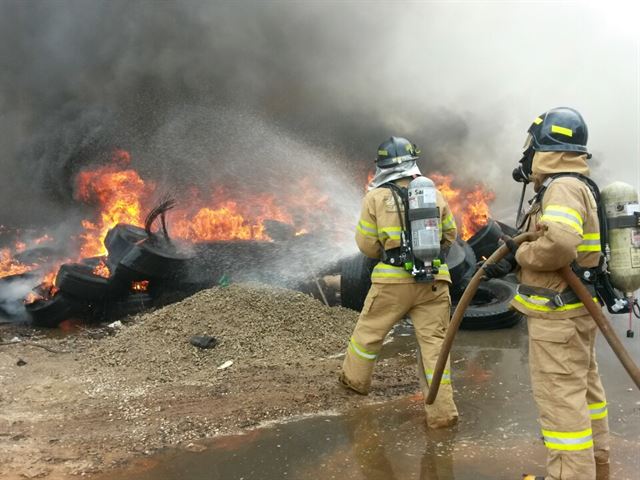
(424, 216)
(623, 218)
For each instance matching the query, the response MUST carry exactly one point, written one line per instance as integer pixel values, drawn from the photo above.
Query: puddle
(497, 437)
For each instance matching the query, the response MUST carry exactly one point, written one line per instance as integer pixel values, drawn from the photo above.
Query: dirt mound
(253, 324)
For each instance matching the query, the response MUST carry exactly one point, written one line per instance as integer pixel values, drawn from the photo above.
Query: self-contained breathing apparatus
(419, 215)
(617, 275)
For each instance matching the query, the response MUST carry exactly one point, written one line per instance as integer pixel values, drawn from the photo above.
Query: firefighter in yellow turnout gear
(564, 373)
(394, 291)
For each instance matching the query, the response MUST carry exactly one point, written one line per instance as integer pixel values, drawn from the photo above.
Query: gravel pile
(254, 325)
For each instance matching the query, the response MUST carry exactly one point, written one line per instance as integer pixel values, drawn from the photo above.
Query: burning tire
(50, 313)
(120, 239)
(79, 281)
(485, 241)
(489, 309)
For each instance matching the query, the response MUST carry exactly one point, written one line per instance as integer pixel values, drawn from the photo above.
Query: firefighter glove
(500, 268)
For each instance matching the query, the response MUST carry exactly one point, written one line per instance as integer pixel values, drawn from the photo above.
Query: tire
(120, 239)
(148, 260)
(355, 280)
(79, 281)
(134, 303)
(485, 241)
(50, 313)
(462, 266)
(490, 310)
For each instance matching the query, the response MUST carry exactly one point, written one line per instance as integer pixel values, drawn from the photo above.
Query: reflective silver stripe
(598, 410)
(382, 270)
(358, 350)
(367, 230)
(446, 376)
(571, 441)
(591, 242)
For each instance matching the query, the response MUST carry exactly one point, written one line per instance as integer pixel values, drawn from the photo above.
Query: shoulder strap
(402, 193)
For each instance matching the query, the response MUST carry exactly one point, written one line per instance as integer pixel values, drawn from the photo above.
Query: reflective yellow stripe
(367, 229)
(581, 440)
(537, 120)
(589, 248)
(590, 243)
(383, 152)
(446, 376)
(449, 223)
(392, 232)
(526, 301)
(561, 214)
(598, 410)
(562, 130)
(382, 270)
(361, 352)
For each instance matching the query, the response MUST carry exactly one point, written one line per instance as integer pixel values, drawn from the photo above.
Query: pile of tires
(140, 268)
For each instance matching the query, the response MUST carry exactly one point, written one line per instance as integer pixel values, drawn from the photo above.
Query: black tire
(79, 281)
(355, 280)
(148, 260)
(462, 266)
(134, 303)
(120, 239)
(50, 313)
(490, 310)
(485, 241)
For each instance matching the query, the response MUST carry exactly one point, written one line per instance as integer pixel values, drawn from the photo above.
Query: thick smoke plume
(256, 93)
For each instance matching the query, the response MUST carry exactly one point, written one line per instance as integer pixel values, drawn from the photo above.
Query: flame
(141, 286)
(10, 266)
(118, 191)
(470, 207)
(102, 270)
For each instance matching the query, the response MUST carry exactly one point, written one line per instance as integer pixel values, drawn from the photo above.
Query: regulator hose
(464, 302)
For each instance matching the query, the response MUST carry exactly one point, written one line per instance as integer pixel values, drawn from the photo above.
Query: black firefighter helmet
(561, 129)
(395, 151)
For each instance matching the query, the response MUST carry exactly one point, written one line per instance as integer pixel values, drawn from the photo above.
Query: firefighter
(562, 361)
(394, 292)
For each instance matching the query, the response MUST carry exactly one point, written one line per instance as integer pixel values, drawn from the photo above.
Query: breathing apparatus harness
(403, 256)
(597, 279)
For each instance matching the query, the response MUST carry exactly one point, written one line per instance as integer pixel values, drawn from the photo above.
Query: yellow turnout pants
(570, 397)
(428, 306)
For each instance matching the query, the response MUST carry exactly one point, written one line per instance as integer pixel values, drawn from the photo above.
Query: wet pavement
(497, 437)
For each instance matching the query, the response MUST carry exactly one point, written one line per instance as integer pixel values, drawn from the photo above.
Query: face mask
(522, 172)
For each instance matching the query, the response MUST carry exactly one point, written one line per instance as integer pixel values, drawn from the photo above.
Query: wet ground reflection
(496, 438)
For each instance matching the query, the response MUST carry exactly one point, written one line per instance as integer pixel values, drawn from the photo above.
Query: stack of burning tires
(142, 269)
(490, 306)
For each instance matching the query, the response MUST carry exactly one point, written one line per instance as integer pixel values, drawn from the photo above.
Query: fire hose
(578, 288)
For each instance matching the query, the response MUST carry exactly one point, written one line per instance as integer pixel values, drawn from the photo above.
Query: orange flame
(471, 207)
(118, 192)
(11, 266)
(102, 270)
(141, 286)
